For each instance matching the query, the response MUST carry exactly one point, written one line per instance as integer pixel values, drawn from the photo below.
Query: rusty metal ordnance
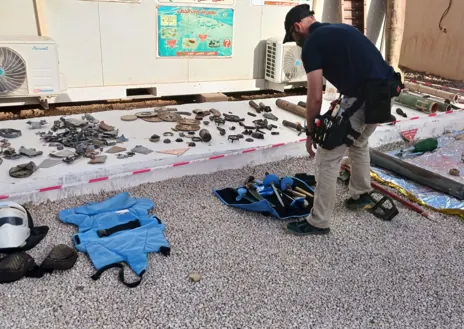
(443, 107)
(255, 106)
(295, 125)
(417, 102)
(205, 135)
(292, 108)
(264, 107)
(432, 91)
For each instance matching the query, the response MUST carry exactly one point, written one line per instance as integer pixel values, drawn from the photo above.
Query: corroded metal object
(145, 114)
(169, 116)
(181, 127)
(184, 121)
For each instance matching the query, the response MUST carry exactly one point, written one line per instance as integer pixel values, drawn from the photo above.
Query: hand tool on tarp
(426, 145)
(299, 201)
(417, 174)
(242, 194)
(250, 185)
(380, 188)
(273, 180)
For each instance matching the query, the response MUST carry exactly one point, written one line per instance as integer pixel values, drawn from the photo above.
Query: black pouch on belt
(378, 102)
(334, 131)
(378, 95)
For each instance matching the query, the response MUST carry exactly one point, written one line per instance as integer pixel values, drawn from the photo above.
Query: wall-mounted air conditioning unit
(283, 62)
(28, 67)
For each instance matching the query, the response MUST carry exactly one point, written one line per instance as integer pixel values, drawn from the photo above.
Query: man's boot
(363, 202)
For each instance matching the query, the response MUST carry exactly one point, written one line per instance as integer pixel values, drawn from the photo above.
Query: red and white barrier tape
(146, 170)
(184, 163)
(421, 117)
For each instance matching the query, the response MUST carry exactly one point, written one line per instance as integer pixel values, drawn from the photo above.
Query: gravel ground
(367, 273)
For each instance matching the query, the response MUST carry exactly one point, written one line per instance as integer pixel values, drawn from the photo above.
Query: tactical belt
(332, 130)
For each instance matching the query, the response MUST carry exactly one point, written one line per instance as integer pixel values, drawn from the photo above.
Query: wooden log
(394, 24)
(292, 108)
(417, 174)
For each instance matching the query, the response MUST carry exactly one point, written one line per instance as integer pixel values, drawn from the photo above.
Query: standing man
(352, 63)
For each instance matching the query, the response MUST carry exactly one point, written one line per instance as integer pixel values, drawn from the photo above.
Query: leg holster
(378, 95)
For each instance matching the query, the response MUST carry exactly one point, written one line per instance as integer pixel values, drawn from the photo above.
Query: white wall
(108, 44)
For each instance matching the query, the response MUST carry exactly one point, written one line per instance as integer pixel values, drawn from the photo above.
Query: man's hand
(309, 147)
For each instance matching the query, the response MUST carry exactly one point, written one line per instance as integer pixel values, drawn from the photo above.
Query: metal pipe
(453, 97)
(417, 174)
(416, 102)
(292, 108)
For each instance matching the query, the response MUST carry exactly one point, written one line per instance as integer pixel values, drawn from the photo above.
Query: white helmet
(14, 225)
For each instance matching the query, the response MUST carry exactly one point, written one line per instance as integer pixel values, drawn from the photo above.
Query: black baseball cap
(295, 15)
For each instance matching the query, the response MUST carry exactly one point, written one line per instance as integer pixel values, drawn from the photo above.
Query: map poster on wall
(195, 31)
(281, 2)
(203, 2)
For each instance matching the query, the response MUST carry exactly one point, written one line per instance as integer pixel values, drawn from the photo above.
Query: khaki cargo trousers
(328, 169)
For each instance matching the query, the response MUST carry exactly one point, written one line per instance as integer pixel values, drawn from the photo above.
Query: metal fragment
(90, 118)
(30, 152)
(141, 149)
(122, 139)
(61, 154)
(184, 113)
(155, 138)
(270, 116)
(105, 127)
(144, 114)
(36, 124)
(181, 127)
(129, 117)
(184, 121)
(215, 112)
(98, 159)
(10, 133)
(169, 116)
(153, 119)
(23, 170)
(115, 149)
(233, 138)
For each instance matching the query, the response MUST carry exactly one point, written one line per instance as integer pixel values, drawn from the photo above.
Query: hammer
(242, 195)
(271, 180)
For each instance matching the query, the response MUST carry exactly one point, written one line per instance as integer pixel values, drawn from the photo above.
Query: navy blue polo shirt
(347, 57)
